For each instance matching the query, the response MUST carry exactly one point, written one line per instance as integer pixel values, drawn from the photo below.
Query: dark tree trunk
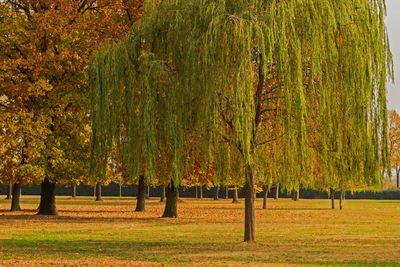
(216, 192)
(16, 194)
(197, 192)
(226, 192)
(200, 191)
(98, 191)
(341, 199)
(9, 191)
(398, 177)
(162, 198)
(141, 197)
(47, 198)
(171, 205)
(73, 190)
(265, 196)
(147, 192)
(235, 196)
(276, 192)
(294, 195)
(332, 197)
(249, 220)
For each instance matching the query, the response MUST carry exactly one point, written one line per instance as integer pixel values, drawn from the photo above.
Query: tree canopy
(308, 76)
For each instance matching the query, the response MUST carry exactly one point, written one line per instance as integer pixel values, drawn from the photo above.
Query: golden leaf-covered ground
(207, 233)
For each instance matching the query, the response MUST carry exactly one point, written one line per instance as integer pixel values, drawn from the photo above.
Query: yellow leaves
(30, 172)
(394, 138)
(43, 59)
(39, 88)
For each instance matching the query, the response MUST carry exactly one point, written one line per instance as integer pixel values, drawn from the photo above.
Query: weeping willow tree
(348, 116)
(204, 70)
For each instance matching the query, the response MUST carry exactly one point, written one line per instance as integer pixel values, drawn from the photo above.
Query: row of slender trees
(13, 195)
(185, 92)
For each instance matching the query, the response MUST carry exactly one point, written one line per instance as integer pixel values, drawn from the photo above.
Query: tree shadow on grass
(4, 219)
(13, 212)
(297, 208)
(164, 252)
(172, 251)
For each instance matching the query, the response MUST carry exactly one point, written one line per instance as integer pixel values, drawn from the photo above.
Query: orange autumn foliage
(43, 86)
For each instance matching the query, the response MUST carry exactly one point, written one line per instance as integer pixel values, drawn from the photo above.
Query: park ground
(207, 233)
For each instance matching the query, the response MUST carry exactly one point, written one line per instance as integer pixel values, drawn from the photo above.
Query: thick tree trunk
(341, 199)
(297, 195)
(200, 191)
(276, 192)
(141, 197)
(9, 191)
(294, 195)
(98, 191)
(332, 197)
(171, 205)
(216, 192)
(16, 193)
(162, 198)
(265, 196)
(226, 192)
(249, 218)
(235, 196)
(47, 198)
(73, 190)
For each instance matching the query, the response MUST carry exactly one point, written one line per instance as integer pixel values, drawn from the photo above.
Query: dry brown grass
(207, 233)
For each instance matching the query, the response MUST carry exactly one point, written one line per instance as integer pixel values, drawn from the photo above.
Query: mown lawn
(207, 233)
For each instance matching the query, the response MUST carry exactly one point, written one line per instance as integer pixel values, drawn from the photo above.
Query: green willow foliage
(196, 73)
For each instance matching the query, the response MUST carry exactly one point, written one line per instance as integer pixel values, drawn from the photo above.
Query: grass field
(207, 233)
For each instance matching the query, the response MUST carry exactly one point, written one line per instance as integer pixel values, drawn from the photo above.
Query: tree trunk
(200, 191)
(226, 192)
(297, 195)
(235, 196)
(9, 191)
(74, 190)
(171, 205)
(197, 192)
(98, 191)
(341, 199)
(141, 197)
(249, 220)
(147, 192)
(162, 198)
(265, 196)
(216, 192)
(47, 198)
(16, 193)
(294, 195)
(276, 191)
(398, 177)
(332, 197)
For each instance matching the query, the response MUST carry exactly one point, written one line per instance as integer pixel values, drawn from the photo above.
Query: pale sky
(393, 26)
